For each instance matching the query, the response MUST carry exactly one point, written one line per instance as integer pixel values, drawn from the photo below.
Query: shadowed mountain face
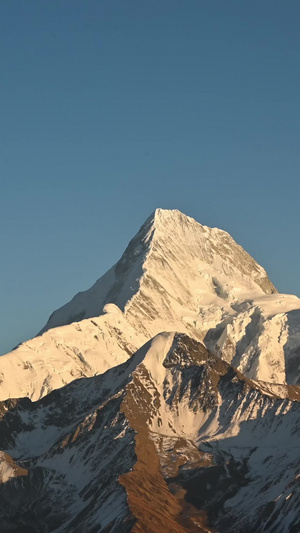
(173, 439)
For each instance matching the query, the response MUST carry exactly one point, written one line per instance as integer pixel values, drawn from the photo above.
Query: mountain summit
(189, 362)
(172, 266)
(175, 275)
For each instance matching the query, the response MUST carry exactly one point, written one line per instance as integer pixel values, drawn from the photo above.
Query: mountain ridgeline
(163, 398)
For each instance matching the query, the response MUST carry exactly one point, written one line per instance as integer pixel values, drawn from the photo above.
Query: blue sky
(112, 108)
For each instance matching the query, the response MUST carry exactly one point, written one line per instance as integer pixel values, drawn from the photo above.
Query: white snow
(66, 353)
(259, 337)
(155, 356)
(175, 275)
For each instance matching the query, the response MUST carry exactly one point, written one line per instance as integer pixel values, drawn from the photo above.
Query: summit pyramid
(175, 275)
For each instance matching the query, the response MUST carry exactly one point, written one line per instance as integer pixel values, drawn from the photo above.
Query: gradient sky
(112, 108)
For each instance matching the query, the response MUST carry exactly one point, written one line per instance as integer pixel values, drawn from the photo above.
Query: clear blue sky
(112, 108)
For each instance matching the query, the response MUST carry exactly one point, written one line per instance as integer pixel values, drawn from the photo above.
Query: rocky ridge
(173, 438)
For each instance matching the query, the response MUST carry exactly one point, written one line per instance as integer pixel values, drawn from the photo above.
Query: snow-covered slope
(262, 338)
(60, 355)
(175, 275)
(172, 440)
(170, 269)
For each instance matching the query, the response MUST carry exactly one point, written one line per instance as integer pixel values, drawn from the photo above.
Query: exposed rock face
(173, 439)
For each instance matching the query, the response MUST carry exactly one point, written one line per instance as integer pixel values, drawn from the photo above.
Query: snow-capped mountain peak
(175, 275)
(172, 260)
(188, 361)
